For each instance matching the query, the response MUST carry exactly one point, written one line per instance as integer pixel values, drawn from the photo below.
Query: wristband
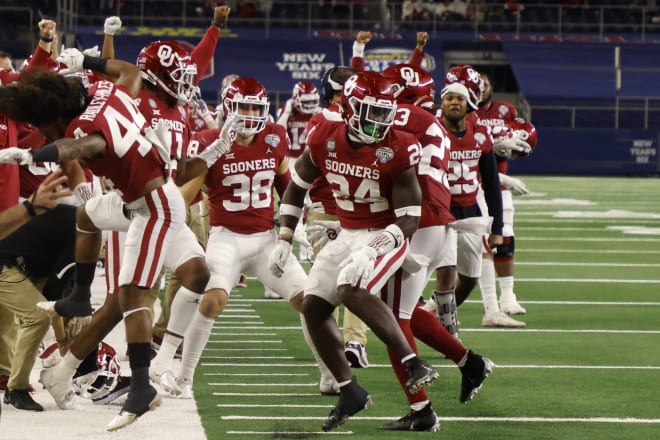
(46, 39)
(30, 208)
(94, 63)
(47, 153)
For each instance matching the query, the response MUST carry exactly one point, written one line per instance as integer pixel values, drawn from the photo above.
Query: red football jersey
(497, 114)
(433, 167)
(361, 178)
(176, 119)
(240, 183)
(464, 175)
(296, 127)
(130, 160)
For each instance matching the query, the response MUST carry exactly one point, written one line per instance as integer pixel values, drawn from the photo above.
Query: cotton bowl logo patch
(152, 103)
(384, 154)
(480, 138)
(272, 140)
(330, 145)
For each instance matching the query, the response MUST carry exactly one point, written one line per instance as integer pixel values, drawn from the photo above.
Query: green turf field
(586, 367)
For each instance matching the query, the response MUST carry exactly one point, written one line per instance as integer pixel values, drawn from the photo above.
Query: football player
(240, 186)
(472, 165)
(371, 170)
(114, 140)
(502, 115)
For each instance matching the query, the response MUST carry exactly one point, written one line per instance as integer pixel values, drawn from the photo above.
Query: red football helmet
(167, 65)
(369, 106)
(306, 97)
(413, 85)
(248, 99)
(524, 130)
(470, 78)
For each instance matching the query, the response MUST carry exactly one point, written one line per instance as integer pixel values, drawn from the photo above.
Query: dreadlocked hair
(40, 97)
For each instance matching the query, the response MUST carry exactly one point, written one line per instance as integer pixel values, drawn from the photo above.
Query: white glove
(221, 145)
(359, 266)
(513, 184)
(111, 25)
(201, 107)
(300, 236)
(508, 148)
(73, 59)
(83, 192)
(278, 257)
(322, 231)
(92, 51)
(16, 155)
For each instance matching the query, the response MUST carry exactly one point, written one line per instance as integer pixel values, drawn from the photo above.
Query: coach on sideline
(18, 295)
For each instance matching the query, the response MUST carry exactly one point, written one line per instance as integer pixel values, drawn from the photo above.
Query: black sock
(83, 277)
(139, 358)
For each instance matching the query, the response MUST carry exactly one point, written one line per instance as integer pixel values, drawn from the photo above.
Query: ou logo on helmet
(167, 56)
(410, 76)
(350, 85)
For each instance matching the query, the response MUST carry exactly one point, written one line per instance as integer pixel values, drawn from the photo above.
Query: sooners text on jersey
(361, 178)
(240, 183)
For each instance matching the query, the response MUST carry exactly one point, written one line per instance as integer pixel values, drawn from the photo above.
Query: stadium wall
(543, 70)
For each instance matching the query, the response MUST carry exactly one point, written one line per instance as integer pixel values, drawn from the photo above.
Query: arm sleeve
(39, 59)
(281, 182)
(416, 58)
(203, 53)
(357, 64)
(491, 183)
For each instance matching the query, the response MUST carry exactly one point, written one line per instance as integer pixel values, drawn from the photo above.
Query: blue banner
(592, 152)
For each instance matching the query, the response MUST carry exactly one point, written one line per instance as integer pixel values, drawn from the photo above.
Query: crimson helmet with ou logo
(469, 77)
(369, 106)
(413, 85)
(168, 65)
(247, 98)
(306, 97)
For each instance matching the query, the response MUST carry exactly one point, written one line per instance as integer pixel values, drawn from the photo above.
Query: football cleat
(185, 388)
(352, 399)
(269, 294)
(476, 369)
(356, 354)
(122, 386)
(166, 381)
(424, 420)
(511, 306)
(419, 373)
(137, 403)
(328, 386)
(67, 309)
(61, 389)
(500, 319)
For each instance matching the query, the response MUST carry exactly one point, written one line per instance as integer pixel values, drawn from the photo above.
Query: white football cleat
(127, 416)
(184, 386)
(48, 307)
(269, 294)
(500, 319)
(60, 389)
(328, 386)
(166, 381)
(511, 306)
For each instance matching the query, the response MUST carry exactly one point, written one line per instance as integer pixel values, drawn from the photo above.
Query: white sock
(184, 306)
(166, 352)
(506, 287)
(325, 371)
(196, 337)
(67, 366)
(488, 287)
